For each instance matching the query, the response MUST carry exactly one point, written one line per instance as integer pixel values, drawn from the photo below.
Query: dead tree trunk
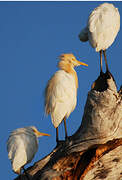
(95, 150)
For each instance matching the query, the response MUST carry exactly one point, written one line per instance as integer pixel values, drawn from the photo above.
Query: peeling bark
(95, 150)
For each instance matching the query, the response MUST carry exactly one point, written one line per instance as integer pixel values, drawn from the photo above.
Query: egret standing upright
(22, 146)
(102, 28)
(61, 91)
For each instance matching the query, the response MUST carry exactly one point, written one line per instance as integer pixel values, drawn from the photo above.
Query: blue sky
(32, 36)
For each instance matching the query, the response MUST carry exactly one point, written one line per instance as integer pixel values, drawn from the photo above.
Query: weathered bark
(95, 150)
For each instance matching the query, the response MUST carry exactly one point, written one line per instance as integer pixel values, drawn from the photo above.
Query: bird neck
(69, 69)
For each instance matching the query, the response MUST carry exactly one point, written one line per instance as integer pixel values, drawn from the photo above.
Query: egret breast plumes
(61, 96)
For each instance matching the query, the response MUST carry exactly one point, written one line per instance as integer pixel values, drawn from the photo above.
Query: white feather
(62, 97)
(103, 26)
(22, 145)
(84, 35)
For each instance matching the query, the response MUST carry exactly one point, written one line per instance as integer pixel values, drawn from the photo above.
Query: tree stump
(95, 151)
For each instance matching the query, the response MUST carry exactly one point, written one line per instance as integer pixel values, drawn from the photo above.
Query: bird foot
(101, 73)
(67, 139)
(60, 143)
(26, 174)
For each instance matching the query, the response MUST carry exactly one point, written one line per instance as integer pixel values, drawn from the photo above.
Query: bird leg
(57, 140)
(104, 52)
(101, 62)
(26, 174)
(21, 177)
(65, 128)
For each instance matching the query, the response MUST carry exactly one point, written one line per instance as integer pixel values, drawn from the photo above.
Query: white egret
(61, 91)
(22, 145)
(102, 28)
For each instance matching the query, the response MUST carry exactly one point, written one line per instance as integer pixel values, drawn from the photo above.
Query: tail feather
(83, 36)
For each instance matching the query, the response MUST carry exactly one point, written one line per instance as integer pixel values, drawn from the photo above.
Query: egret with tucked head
(61, 91)
(102, 28)
(22, 145)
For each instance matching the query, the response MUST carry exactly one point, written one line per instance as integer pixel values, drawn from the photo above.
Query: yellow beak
(41, 134)
(81, 63)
